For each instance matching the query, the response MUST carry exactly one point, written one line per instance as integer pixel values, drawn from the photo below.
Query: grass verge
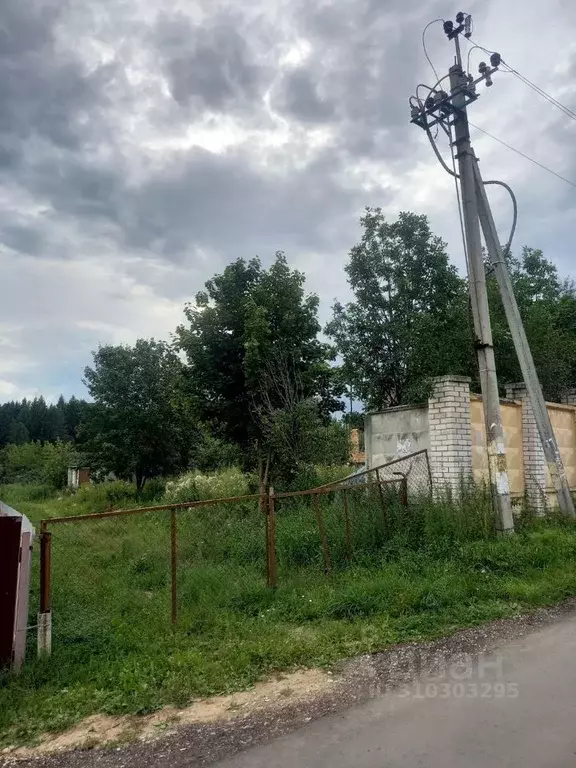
(415, 574)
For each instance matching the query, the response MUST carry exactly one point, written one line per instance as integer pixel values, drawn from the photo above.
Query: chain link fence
(116, 571)
(350, 520)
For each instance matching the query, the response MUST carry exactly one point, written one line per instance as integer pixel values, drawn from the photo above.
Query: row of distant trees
(248, 378)
(35, 420)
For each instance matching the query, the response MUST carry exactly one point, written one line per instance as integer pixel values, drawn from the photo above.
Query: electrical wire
(423, 85)
(439, 81)
(541, 92)
(424, 45)
(473, 48)
(522, 154)
(536, 88)
(458, 199)
(438, 155)
(432, 139)
(452, 171)
(506, 249)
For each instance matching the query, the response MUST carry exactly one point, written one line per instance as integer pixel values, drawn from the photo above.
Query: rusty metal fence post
(271, 563)
(263, 507)
(44, 639)
(173, 565)
(403, 488)
(404, 491)
(322, 532)
(347, 525)
(382, 503)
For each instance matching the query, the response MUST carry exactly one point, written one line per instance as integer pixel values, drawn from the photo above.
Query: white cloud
(117, 201)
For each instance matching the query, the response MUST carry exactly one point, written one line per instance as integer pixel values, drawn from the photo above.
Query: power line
(541, 92)
(424, 45)
(536, 88)
(477, 214)
(456, 176)
(522, 154)
(506, 249)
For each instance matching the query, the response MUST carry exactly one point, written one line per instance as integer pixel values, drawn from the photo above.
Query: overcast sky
(144, 144)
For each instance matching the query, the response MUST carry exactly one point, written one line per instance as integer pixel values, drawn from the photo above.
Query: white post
(45, 633)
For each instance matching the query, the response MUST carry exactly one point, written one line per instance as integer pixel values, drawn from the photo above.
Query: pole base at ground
(45, 633)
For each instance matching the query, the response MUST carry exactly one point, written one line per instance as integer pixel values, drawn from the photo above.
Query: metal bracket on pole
(549, 444)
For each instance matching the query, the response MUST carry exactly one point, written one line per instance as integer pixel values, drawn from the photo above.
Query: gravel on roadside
(355, 681)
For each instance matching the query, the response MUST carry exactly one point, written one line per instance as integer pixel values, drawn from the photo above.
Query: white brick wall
(450, 432)
(534, 459)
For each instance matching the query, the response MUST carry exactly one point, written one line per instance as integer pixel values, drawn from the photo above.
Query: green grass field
(415, 574)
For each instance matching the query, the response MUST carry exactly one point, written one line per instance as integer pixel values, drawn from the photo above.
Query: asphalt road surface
(515, 707)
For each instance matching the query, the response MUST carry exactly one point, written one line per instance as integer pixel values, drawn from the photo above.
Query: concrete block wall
(444, 428)
(535, 479)
(395, 432)
(450, 432)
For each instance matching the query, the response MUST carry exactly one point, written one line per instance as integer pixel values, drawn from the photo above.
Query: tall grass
(415, 572)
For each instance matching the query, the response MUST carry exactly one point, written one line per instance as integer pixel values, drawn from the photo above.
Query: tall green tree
(548, 309)
(139, 425)
(18, 434)
(75, 412)
(408, 319)
(40, 421)
(245, 324)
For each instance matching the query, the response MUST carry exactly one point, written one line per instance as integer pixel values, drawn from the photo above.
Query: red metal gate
(10, 537)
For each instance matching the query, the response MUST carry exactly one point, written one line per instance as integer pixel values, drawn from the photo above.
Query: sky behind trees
(144, 145)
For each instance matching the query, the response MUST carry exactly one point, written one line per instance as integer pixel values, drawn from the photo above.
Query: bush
(212, 454)
(56, 459)
(298, 437)
(13, 494)
(98, 497)
(311, 476)
(37, 464)
(194, 486)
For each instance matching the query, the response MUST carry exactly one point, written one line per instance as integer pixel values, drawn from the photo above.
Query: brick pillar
(569, 396)
(450, 432)
(354, 441)
(534, 459)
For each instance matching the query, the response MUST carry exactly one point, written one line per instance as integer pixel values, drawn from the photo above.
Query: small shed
(16, 539)
(78, 476)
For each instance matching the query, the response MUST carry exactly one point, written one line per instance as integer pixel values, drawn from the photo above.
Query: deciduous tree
(247, 318)
(138, 425)
(548, 309)
(408, 318)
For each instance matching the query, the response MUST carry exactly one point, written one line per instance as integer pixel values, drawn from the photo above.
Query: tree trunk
(140, 480)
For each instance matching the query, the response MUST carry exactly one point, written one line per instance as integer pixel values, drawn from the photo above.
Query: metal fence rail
(122, 550)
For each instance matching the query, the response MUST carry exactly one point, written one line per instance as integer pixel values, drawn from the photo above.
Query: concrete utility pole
(449, 111)
(541, 415)
(479, 301)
